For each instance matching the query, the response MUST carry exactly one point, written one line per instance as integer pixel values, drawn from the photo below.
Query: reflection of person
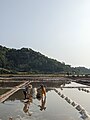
(27, 105)
(43, 101)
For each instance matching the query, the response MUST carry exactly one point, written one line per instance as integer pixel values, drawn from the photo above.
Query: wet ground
(56, 107)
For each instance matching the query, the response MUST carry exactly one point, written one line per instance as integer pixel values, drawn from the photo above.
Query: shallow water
(79, 96)
(56, 107)
(2, 91)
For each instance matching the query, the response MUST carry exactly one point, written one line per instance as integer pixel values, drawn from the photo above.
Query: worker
(41, 92)
(27, 91)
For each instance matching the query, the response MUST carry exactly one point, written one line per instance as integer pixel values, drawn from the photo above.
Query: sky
(59, 29)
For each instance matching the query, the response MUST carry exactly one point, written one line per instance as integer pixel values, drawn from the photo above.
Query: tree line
(28, 60)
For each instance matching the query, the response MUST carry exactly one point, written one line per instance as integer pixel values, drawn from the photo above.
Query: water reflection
(49, 86)
(2, 91)
(26, 107)
(29, 92)
(43, 103)
(51, 107)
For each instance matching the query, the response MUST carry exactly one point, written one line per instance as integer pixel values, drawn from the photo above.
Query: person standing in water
(27, 92)
(41, 91)
(41, 95)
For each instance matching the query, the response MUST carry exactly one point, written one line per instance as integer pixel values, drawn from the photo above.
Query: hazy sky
(59, 29)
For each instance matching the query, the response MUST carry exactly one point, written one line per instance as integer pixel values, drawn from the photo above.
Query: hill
(28, 60)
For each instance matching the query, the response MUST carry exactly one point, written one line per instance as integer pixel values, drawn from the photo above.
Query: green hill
(27, 60)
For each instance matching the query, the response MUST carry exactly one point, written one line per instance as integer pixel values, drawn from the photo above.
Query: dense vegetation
(27, 60)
